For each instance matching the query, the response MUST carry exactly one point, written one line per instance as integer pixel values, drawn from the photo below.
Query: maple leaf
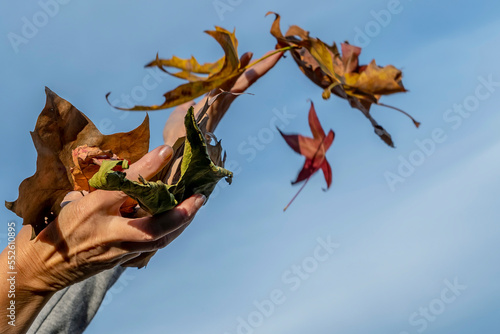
(59, 130)
(314, 149)
(340, 73)
(227, 68)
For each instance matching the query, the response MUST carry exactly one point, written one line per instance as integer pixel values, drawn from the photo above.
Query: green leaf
(199, 175)
(153, 197)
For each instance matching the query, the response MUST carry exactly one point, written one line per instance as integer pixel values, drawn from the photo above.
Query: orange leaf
(341, 74)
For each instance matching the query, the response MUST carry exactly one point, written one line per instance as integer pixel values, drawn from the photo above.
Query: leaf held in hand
(198, 175)
(153, 197)
(314, 149)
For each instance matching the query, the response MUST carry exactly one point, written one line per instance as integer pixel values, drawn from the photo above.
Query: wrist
(21, 296)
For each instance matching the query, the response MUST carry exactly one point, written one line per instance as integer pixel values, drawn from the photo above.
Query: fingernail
(166, 152)
(199, 201)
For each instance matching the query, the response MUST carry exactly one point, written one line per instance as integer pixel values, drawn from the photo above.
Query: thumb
(150, 164)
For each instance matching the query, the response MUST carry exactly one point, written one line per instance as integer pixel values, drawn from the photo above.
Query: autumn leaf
(189, 68)
(314, 149)
(59, 130)
(219, 72)
(87, 160)
(340, 73)
(153, 197)
(172, 171)
(198, 175)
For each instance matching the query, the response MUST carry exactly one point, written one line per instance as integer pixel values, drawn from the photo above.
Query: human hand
(90, 235)
(174, 127)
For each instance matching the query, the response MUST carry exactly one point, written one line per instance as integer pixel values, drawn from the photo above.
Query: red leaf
(314, 149)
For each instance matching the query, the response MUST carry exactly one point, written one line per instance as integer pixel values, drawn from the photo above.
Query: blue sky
(398, 249)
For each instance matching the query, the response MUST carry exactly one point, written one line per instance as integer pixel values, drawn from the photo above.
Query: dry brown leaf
(59, 130)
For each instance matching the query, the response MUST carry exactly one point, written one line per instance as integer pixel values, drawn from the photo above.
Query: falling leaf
(223, 70)
(340, 73)
(59, 130)
(189, 68)
(314, 149)
(198, 175)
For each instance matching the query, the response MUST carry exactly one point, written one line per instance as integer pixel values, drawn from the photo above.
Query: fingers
(243, 82)
(72, 196)
(149, 229)
(245, 59)
(255, 72)
(148, 250)
(150, 164)
(139, 261)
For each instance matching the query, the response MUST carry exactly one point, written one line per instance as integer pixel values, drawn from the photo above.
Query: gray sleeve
(73, 308)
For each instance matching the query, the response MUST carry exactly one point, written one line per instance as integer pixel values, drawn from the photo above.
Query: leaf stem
(313, 158)
(417, 123)
(297, 194)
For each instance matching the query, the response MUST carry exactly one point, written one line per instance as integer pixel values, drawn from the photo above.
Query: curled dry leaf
(170, 174)
(87, 160)
(340, 73)
(227, 68)
(59, 130)
(314, 149)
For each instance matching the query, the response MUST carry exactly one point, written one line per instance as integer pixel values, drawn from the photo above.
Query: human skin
(88, 237)
(174, 127)
(172, 130)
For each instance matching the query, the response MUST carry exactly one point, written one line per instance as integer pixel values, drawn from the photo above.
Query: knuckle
(149, 236)
(148, 163)
(184, 215)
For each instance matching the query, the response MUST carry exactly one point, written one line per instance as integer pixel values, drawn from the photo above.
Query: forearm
(19, 304)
